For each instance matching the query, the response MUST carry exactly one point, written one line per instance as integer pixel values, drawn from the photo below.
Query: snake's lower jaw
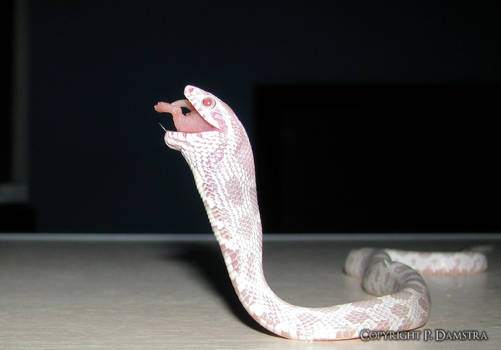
(172, 141)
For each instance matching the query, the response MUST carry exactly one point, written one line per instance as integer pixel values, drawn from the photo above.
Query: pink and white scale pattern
(223, 167)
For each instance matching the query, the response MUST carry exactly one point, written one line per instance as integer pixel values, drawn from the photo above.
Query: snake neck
(224, 175)
(225, 178)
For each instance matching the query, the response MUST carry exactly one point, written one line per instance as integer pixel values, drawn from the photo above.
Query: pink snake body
(217, 149)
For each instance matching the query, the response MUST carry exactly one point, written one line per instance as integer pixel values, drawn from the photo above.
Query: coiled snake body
(217, 149)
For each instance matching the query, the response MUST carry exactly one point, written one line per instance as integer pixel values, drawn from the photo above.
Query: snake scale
(217, 149)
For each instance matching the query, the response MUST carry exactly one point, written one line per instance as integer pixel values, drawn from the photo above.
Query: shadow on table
(207, 259)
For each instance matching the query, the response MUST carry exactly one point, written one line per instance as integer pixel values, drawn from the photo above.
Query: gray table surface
(175, 294)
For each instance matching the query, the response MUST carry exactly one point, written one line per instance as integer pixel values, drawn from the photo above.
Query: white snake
(217, 149)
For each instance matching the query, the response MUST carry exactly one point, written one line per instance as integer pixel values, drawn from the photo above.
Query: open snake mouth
(186, 122)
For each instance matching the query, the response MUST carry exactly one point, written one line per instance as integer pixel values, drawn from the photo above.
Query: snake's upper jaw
(208, 106)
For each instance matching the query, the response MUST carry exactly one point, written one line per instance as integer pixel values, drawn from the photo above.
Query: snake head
(207, 115)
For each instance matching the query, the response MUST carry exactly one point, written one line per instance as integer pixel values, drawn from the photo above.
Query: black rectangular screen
(378, 158)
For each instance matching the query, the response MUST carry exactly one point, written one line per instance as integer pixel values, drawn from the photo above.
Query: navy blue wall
(98, 161)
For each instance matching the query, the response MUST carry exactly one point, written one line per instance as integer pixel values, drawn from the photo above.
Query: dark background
(373, 158)
(97, 158)
(6, 96)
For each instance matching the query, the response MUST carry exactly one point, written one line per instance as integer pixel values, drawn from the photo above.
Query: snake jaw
(205, 116)
(206, 112)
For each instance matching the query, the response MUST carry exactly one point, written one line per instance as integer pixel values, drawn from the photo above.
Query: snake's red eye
(208, 101)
